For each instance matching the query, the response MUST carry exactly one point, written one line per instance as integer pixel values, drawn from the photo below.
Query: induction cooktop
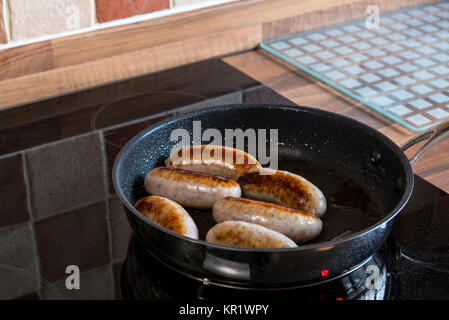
(412, 264)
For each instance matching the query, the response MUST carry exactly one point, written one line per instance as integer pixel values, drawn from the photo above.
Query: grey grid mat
(400, 69)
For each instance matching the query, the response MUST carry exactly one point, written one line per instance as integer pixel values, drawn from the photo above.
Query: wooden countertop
(58, 66)
(304, 90)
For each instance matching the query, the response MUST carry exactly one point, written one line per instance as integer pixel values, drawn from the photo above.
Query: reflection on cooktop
(421, 233)
(422, 229)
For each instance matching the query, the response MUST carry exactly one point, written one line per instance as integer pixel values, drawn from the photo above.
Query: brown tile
(94, 285)
(262, 94)
(121, 230)
(66, 174)
(108, 10)
(18, 275)
(3, 36)
(79, 237)
(13, 198)
(116, 138)
(29, 20)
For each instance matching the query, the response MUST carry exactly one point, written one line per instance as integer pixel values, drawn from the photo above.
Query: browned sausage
(249, 235)
(168, 214)
(297, 225)
(283, 188)
(216, 160)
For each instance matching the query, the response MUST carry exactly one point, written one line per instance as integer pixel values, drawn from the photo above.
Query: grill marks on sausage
(262, 205)
(212, 159)
(184, 176)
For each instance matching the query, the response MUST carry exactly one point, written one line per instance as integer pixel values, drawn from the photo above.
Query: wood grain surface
(3, 35)
(75, 77)
(304, 90)
(62, 65)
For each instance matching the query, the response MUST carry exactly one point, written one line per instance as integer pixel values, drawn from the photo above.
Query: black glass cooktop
(413, 264)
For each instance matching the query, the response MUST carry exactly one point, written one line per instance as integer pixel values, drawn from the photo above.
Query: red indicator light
(324, 273)
(339, 298)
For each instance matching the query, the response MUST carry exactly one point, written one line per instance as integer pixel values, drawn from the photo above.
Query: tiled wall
(58, 208)
(28, 19)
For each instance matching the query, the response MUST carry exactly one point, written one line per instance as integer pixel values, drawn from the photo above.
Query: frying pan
(366, 178)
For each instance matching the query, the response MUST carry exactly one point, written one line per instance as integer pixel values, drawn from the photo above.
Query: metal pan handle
(433, 135)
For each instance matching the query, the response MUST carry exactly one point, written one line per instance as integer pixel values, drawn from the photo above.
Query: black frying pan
(365, 177)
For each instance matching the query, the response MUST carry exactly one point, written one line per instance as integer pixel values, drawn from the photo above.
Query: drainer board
(400, 69)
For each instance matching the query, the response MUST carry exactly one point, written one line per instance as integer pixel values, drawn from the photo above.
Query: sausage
(297, 225)
(284, 188)
(188, 188)
(168, 214)
(216, 160)
(249, 235)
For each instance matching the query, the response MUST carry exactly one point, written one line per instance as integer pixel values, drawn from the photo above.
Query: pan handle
(433, 135)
